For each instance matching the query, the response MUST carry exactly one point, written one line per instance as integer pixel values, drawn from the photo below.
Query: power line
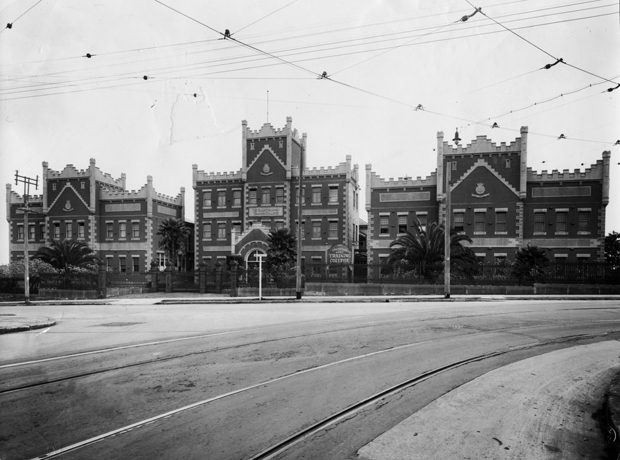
(266, 16)
(10, 24)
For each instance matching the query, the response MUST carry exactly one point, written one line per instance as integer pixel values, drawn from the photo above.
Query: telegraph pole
(446, 265)
(28, 181)
(300, 232)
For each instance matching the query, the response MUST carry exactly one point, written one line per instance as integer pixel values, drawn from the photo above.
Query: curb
(21, 327)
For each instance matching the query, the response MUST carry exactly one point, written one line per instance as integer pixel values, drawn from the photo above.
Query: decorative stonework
(122, 207)
(561, 192)
(404, 196)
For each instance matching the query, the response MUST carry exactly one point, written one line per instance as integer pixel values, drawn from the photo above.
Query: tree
(530, 265)
(282, 253)
(612, 250)
(67, 254)
(425, 249)
(173, 234)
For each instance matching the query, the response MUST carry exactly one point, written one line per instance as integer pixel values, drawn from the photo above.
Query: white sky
(60, 107)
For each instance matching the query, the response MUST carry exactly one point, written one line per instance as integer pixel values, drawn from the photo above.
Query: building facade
(120, 226)
(496, 200)
(235, 211)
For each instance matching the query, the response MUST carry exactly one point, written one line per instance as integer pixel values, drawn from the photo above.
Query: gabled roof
(484, 164)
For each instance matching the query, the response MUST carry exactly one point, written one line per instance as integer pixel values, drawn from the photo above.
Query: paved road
(256, 374)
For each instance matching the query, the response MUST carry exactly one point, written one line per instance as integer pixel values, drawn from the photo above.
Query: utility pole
(446, 265)
(28, 181)
(300, 233)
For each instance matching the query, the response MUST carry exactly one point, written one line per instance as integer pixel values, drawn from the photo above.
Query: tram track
(301, 435)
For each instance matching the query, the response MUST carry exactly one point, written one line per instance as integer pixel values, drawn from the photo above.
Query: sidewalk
(538, 408)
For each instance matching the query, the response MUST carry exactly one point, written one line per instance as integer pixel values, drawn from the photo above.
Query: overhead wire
(264, 17)
(10, 24)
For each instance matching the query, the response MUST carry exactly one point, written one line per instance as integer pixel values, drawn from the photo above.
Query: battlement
(267, 130)
(144, 193)
(342, 168)
(594, 172)
(482, 145)
(16, 198)
(71, 172)
(377, 182)
(202, 176)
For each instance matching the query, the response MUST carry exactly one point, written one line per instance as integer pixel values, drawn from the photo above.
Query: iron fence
(119, 279)
(69, 281)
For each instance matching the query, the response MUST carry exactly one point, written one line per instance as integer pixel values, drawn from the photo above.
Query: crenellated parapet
(594, 172)
(201, 176)
(146, 192)
(378, 182)
(16, 198)
(71, 172)
(341, 168)
(482, 145)
(267, 130)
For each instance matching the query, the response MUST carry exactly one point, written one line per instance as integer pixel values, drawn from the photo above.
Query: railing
(117, 279)
(69, 281)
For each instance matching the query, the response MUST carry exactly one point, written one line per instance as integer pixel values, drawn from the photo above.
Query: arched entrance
(251, 261)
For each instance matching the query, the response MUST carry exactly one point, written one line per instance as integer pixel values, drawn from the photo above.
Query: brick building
(120, 226)
(496, 200)
(235, 211)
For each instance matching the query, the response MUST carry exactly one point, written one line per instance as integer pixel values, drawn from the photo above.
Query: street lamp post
(300, 233)
(28, 181)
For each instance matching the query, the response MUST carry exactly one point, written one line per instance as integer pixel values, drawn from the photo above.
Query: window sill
(384, 234)
(316, 204)
(540, 233)
(266, 204)
(480, 233)
(333, 203)
(501, 233)
(561, 233)
(137, 238)
(584, 233)
(221, 239)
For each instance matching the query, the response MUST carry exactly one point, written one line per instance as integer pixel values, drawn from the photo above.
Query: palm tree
(281, 254)
(425, 249)
(66, 254)
(173, 234)
(530, 264)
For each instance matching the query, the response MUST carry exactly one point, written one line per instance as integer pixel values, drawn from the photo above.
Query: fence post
(168, 273)
(103, 284)
(203, 277)
(218, 278)
(154, 273)
(234, 265)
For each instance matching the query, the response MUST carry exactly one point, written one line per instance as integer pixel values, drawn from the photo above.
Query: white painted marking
(43, 332)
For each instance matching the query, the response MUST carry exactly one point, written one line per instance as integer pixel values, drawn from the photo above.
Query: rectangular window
(135, 230)
(135, 264)
(316, 195)
(108, 263)
(479, 222)
(206, 199)
(236, 228)
(81, 229)
(42, 231)
(279, 196)
(454, 166)
(251, 145)
(82, 185)
(252, 197)
(109, 230)
(56, 230)
(53, 186)
(266, 198)
(333, 229)
(122, 264)
(500, 222)
(31, 234)
(333, 194)
(281, 144)
(423, 221)
(508, 162)
(384, 225)
(316, 229)
(122, 230)
(279, 225)
(236, 197)
(584, 221)
(561, 222)
(539, 222)
(402, 224)
(459, 221)
(221, 198)
(20, 232)
(206, 231)
(221, 230)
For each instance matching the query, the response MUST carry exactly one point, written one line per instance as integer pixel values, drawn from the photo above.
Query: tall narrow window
(81, 229)
(333, 194)
(236, 228)
(316, 229)
(539, 222)
(221, 198)
(459, 221)
(280, 195)
(266, 199)
(206, 199)
(57, 230)
(206, 231)
(221, 230)
(402, 224)
(109, 230)
(31, 232)
(454, 166)
(316, 195)
(122, 264)
(333, 229)
(584, 221)
(508, 162)
(561, 222)
(122, 229)
(135, 230)
(500, 222)
(423, 221)
(384, 225)
(20, 232)
(236, 197)
(135, 264)
(479, 222)
(252, 197)
(42, 231)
